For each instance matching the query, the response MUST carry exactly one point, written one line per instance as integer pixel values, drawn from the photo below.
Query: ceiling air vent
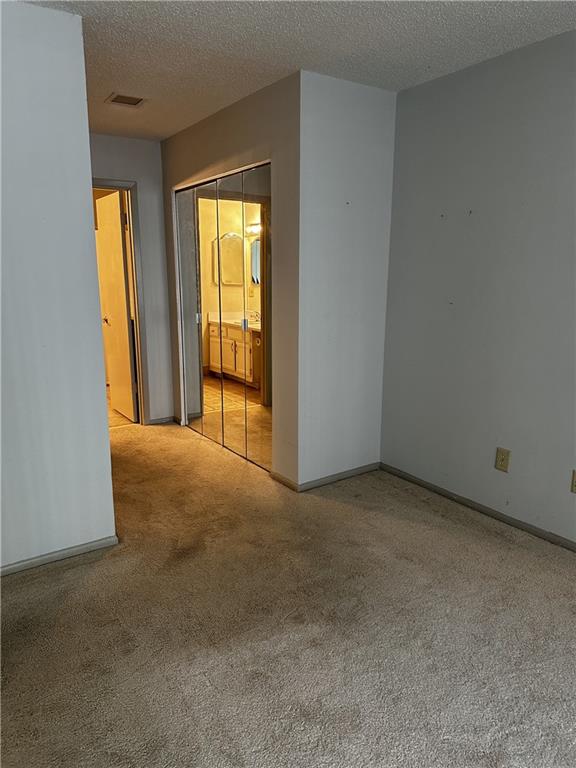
(126, 101)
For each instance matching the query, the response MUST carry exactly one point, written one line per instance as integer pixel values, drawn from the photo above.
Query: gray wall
(262, 127)
(117, 158)
(346, 159)
(480, 340)
(56, 480)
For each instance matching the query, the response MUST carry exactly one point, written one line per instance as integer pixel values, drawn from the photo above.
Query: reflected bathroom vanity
(234, 351)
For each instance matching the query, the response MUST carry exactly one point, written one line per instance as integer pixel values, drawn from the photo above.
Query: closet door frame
(266, 296)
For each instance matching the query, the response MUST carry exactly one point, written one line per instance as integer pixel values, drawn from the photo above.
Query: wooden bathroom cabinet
(241, 356)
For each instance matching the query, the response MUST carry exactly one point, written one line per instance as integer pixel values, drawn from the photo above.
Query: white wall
(330, 143)
(57, 490)
(262, 127)
(346, 159)
(121, 159)
(480, 341)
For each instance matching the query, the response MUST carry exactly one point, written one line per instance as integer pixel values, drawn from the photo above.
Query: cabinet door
(229, 355)
(215, 353)
(244, 359)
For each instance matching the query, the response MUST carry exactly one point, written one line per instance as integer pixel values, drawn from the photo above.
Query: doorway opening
(118, 303)
(224, 266)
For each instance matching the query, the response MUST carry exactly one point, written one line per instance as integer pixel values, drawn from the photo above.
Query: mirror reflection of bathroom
(224, 257)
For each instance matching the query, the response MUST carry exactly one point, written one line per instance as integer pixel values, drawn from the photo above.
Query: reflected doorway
(224, 259)
(118, 305)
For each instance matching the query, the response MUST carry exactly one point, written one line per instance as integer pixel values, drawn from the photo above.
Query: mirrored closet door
(224, 266)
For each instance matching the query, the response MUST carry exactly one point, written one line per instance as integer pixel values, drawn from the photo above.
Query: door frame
(141, 360)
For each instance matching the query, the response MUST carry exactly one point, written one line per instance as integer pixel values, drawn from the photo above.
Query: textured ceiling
(190, 59)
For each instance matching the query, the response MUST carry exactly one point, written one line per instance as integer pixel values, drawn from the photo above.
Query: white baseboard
(299, 487)
(60, 554)
(513, 521)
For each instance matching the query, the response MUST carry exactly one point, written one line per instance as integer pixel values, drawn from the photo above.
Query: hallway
(366, 623)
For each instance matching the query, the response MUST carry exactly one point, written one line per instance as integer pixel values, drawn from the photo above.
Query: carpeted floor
(365, 624)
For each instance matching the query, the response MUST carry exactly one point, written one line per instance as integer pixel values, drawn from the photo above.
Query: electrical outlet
(502, 462)
(573, 485)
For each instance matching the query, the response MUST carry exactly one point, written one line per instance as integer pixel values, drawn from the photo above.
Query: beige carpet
(366, 624)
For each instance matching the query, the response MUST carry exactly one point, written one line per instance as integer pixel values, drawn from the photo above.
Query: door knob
(105, 320)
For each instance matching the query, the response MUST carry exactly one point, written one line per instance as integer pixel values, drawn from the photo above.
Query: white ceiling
(190, 59)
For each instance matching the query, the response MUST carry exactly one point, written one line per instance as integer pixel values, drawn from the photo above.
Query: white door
(115, 304)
